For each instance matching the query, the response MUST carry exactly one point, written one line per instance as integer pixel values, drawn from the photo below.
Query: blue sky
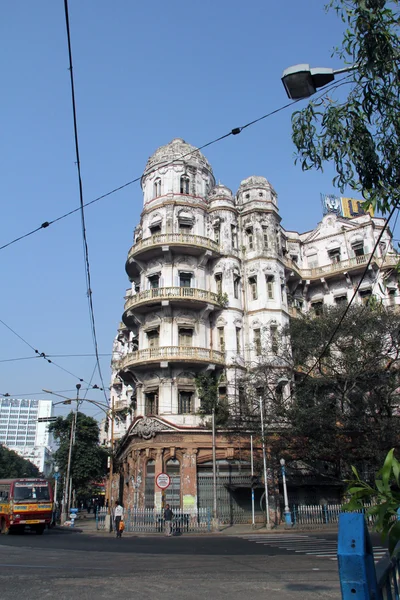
(145, 72)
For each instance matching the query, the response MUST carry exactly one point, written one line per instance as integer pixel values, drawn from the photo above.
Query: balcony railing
(341, 265)
(184, 239)
(168, 293)
(176, 353)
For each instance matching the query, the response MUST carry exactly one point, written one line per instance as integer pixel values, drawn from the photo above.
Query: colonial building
(214, 277)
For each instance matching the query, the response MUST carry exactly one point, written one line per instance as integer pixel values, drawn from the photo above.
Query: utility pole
(68, 480)
(253, 520)
(214, 459)
(268, 525)
(108, 522)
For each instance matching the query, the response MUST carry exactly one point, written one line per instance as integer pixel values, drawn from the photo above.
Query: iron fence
(149, 520)
(315, 515)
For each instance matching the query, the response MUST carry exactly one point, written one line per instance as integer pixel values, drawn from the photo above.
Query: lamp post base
(288, 518)
(107, 523)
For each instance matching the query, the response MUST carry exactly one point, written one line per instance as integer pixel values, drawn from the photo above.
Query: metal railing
(184, 239)
(166, 293)
(185, 353)
(149, 520)
(341, 265)
(316, 515)
(359, 577)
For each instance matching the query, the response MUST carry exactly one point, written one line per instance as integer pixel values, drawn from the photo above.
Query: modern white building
(214, 276)
(21, 430)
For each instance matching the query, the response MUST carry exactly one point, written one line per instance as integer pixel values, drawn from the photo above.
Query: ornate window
(184, 184)
(185, 280)
(157, 187)
(250, 238)
(185, 403)
(234, 236)
(253, 288)
(221, 339)
(257, 341)
(236, 286)
(265, 238)
(218, 280)
(274, 338)
(270, 287)
(334, 255)
(150, 404)
(217, 234)
(154, 281)
(153, 338)
(365, 296)
(185, 337)
(238, 344)
(358, 248)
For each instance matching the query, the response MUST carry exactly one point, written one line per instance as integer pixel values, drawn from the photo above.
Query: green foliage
(384, 495)
(223, 299)
(12, 465)
(345, 412)
(360, 134)
(207, 389)
(89, 459)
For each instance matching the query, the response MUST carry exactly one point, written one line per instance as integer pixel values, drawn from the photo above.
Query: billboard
(344, 207)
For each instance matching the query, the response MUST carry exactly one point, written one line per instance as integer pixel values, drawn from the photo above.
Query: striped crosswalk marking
(304, 544)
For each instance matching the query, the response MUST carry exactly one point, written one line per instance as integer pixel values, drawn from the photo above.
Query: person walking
(168, 514)
(118, 517)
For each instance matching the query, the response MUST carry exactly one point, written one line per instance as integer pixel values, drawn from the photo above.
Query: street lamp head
(56, 468)
(78, 386)
(300, 81)
(282, 461)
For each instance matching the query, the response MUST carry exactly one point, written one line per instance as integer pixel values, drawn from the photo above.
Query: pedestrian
(118, 517)
(168, 514)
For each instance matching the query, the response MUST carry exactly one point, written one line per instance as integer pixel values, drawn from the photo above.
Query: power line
(42, 354)
(82, 212)
(28, 394)
(343, 316)
(234, 131)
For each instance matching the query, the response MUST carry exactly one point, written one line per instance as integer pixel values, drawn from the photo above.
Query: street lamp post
(56, 477)
(288, 516)
(300, 81)
(268, 524)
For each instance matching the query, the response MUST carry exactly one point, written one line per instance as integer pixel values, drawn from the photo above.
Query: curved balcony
(182, 295)
(354, 263)
(184, 354)
(197, 243)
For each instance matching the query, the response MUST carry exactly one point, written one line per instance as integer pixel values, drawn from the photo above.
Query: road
(66, 565)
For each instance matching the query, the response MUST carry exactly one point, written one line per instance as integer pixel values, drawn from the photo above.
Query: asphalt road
(67, 566)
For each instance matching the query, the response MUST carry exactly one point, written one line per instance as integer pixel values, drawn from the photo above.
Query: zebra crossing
(319, 547)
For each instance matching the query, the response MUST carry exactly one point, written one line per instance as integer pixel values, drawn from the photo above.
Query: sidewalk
(88, 526)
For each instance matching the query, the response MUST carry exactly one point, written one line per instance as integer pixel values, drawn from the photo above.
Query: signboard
(163, 481)
(343, 207)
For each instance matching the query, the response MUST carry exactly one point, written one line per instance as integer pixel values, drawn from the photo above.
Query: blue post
(355, 559)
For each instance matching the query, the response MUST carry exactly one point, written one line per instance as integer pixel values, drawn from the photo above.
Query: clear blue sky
(145, 72)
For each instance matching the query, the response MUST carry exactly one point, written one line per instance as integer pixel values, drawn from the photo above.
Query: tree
(360, 135)
(207, 389)
(12, 465)
(89, 459)
(346, 411)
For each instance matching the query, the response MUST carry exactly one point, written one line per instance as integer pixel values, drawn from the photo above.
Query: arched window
(157, 187)
(173, 492)
(149, 484)
(185, 184)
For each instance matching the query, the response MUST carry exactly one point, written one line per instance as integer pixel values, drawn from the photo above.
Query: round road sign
(163, 481)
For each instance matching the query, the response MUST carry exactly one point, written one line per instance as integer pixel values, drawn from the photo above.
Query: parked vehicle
(25, 503)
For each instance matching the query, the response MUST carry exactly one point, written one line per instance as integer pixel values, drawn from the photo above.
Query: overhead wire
(343, 316)
(234, 131)
(82, 212)
(43, 354)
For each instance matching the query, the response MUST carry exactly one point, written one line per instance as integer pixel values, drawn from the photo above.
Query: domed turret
(176, 150)
(256, 189)
(178, 168)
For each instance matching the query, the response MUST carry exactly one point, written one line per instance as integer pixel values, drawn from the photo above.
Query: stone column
(189, 479)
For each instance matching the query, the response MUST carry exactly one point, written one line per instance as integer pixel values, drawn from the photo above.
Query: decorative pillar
(189, 479)
(159, 468)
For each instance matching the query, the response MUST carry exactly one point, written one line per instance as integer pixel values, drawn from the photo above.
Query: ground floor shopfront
(153, 446)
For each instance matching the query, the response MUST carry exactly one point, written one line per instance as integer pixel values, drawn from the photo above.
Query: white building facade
(22, 432)
(214, 278)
